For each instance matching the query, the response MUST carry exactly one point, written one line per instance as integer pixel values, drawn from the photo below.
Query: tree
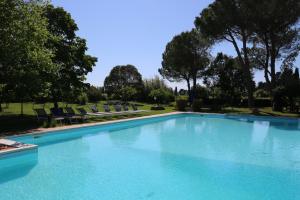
(289, 83)
(226, 74)
(154, 84)
(120, 77)
(176, 92)
(95, 94)
(161, 96)
(185, 58)
(23, 55)
(127, 93)
(276, 35)
(69, 55)
(229, 20)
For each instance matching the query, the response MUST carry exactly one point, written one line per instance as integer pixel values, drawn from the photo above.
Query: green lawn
(11, 122)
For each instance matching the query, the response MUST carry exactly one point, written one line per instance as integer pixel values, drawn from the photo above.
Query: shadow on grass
(13, 124)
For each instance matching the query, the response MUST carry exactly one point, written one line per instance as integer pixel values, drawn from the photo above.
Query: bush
(128, 93)
(161, 96)
(259, 103)
(82, 99)
(95, 94)
(197, 105)
(181, 104)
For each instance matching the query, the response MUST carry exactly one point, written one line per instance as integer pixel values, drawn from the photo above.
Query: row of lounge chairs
(68, 114)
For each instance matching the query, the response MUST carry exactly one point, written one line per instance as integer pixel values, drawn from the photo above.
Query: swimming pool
(184, 156)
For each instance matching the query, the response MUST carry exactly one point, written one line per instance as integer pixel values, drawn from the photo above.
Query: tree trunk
(189, 90)
(245, 63)
(22, 109)
(194, 88)
(55, 104)
(248, 75)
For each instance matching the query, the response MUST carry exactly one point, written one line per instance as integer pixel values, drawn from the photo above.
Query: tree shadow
(14, 124)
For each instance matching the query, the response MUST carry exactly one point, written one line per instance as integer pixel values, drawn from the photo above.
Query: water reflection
(258, 142)
(17, 165)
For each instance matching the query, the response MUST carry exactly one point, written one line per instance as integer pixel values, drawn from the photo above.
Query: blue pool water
(186, 157)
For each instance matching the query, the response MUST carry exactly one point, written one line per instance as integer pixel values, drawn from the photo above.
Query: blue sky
(133, 31)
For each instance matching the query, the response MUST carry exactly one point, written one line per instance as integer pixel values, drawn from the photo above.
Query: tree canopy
(230, 20)
(23, 53)
(185, 58)
(69, 55)
(122, 76)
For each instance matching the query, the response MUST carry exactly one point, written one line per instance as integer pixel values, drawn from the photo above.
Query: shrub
(181, 104)
(95, 94)
(197, 105)
(128, 93)
(82, 99)
(161, 96)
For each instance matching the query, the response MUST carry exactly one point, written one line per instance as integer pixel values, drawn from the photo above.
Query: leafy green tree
(23, 55)
(127, 93)
(276, 35)
(176, 92)
(161, 96)
(290, 84)
(123, 76)
(230, 20)
(226, 74)
(69, 55)
(154, 84)
(95, 94)
(185, 58)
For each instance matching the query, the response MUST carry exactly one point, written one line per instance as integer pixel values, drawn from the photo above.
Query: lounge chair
(135, 109)
(106, 108)
(58, 113)
(71, 113)
(125, 107)
(94, 109)
(118, 108)
(41, 114)
(83, 112)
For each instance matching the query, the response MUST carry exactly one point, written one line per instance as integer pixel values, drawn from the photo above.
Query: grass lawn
(12, 123)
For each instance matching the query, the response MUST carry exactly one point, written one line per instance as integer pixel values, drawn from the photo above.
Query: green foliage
(156, 83)
(261, 93)
(127, 93)
(288, 88)
(95, 94)
(120, 77)
(230, 20)
(24, 57)
(185, 58)
(69, 55)
(161, 96)
(201, 92)
(226, 74)
(197, 105)
(181, 103)
(82, 99)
